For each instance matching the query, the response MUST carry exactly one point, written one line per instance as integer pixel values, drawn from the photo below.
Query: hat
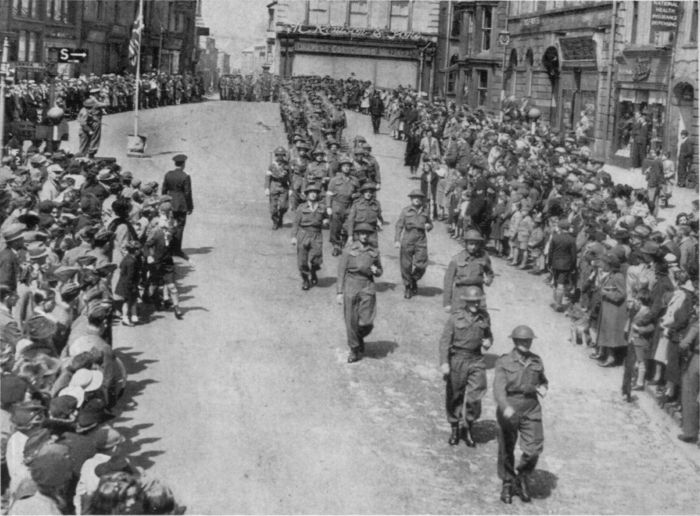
(87, 379)
(69, 291)
(612, 260)
(12, 389)
(642, 231)
(39, 327)
(105, 175)
(91, 414)
(127, 174)
(670, 259)
(89, 103)
(621, 233)
(368, 187)
(416, 193)
(344, 159)
(103, 235)
(51, 469)
(24, 412)
(319, 151)
(14, 232)
(64, 404)
(87, 260)
(311, 187)
(179, 158)
(650, 247)
(107, 438)
(564, 224)
(37, 159)
(106, 269)
(87, 232)
(36, 251)
(31, 218)
(364, 227)
(35, 236)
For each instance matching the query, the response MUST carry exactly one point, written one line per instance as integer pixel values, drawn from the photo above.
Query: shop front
(60, 38)
(642, 87)
(578, 83)
(95, 44)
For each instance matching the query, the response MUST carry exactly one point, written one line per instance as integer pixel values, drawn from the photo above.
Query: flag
(135, 42)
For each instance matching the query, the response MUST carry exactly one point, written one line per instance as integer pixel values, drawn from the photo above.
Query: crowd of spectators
(627, 279)
(84, 245)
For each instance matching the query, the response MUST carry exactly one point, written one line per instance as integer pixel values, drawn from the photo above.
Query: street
(248, 406)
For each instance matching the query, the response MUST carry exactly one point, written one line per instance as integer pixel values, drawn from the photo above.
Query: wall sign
(664, 16)
(373, 51)
(350, 32)
(577, 49)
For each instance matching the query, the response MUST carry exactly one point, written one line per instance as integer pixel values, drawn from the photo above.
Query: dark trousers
(360, 309)
(337, 235)
(690, 385)
(279, 200)
(309, 251)
(413, 257)
(376, 120)
(180, 218)
(465, 387)
(527, 423)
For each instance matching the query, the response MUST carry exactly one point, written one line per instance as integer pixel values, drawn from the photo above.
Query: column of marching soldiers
(327, 182)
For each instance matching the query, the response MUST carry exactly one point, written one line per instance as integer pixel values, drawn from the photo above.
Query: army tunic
(368, 212)
(306, 228)
(356, 283)
(277, 182)
(460, 347)
(465, 270)
(298, 165)
(410, 231)
(515, 384)
(341, 191)
(316, 174)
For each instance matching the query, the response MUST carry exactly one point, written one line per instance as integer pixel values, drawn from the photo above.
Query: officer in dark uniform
(466, 333)
(178, 186)
(518, 381)
(367, 210)
(306, 236)
(277, 186)
(470, 267)
(411, 228)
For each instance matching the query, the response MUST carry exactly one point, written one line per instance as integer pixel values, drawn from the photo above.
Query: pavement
(248, 406)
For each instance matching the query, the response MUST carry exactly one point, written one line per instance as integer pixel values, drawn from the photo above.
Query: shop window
(358, 13)
(398, 15)
(486, 28)
(318, 12)
(482, 87)
(451, 82)
(652, 105)
(693, 35)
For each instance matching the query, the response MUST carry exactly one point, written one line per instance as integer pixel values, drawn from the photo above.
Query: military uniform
(464, 270)
(317, 174)
(306, 229)
(515, 384)
(341, 191)
(298, 163)
(277, 184)
(411, 230)
(365, 211)
(178, 185)
(356, 283)
(460, 347)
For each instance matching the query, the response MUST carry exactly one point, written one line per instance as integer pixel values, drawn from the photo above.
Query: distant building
(388, 42)
(253, 58)
(223, 64)
(169, 38)
(207, 64)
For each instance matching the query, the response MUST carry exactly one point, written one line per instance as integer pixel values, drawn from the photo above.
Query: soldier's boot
(523, 488)
(414, 287)
(507, 492)
(178, 312)
(454, 435)
(275, 220)
(468, 439)
(312, 276)
(408, 292)
(305, 284)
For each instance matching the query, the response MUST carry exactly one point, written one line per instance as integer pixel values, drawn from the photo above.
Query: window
(358, 13)
(541, 6)
(452, 74)
(486, 28)
(693, 36)
(318, 12)
(635, 21)
(22, 46)
(100, 9)
(398, 15)
(456, 23)
(25, 8)
(482, 87)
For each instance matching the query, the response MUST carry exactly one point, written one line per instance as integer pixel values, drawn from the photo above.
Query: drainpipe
(448, 33)
(611, 53)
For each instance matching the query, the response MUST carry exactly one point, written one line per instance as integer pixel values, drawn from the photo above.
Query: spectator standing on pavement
(518, 380)
(685, 159)
(376, 110)
(411, 237)
(357, 268)
(466, 334)
(178, 185)
(654, 172)
(562, 261)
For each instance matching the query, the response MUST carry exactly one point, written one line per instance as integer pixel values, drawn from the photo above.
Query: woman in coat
(613, 312)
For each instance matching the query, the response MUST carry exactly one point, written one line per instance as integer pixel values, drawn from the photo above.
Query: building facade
(169, 41)
(390, 42)
(470, 53)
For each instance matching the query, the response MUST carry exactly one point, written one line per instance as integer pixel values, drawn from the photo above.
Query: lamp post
(3, 74)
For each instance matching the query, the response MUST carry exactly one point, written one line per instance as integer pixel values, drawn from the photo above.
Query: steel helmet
(280, 151)
(522, 332)
(473, 235)
(473, 293)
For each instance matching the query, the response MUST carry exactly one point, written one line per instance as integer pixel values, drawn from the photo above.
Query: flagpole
(138, 74)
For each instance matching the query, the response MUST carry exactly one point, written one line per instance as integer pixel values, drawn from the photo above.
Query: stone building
(388, 42)
(169, 38)
(470, 52)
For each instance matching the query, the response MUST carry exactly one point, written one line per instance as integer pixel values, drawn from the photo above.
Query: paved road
(248, 406)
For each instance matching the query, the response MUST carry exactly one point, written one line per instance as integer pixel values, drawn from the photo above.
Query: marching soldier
(411, 228)
(317, 171)
(306, 236)
(373, 166)
(518, 380)
(277, 186)
(357, 268)
(466, 334)
(360, 169)
(298, 163)
(470, 267)
(341, 191)
(366, 210)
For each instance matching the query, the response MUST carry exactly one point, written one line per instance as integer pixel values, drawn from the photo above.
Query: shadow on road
(429, 291)
(484, 431)
(542, 483)
(199, 250)
(379, 349)
(326, 282)
(132, 363)
(187, 309)
(383, 286)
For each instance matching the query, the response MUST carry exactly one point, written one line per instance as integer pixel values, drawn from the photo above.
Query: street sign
(71, 55)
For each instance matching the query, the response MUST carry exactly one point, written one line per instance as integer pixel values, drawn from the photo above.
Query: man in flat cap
(177, 184)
